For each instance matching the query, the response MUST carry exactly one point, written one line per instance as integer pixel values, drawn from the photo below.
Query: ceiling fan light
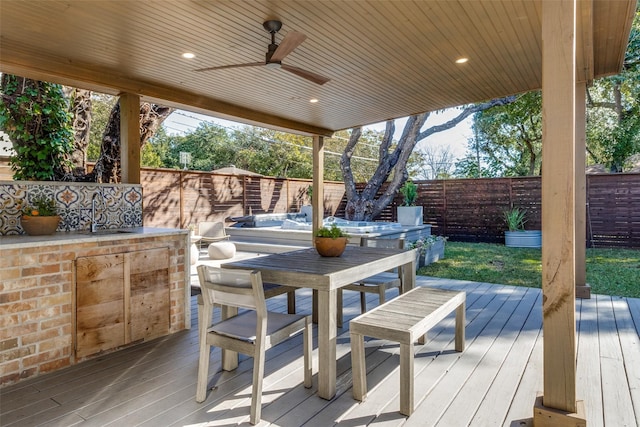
(273, 65)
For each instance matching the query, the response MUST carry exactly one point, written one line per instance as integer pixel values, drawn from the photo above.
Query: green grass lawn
(609, 271)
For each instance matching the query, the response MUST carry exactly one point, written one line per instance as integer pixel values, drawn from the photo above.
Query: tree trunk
(107, 167)
(363, 205)
(81, 110)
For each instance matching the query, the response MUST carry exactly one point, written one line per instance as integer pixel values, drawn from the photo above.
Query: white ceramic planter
(434, 253)
(410, 215)
(307, 210)
(523, 239)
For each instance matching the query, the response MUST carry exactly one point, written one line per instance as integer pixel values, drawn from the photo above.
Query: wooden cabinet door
(120, 299)
(149, 294)
(100, 311)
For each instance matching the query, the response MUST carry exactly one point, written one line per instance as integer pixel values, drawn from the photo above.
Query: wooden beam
(317, 196)
(558, 204)
(130, 138)
(583, 290)
(584, 41)
(54, 70)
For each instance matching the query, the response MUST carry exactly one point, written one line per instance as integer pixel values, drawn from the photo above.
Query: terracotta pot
(39, 225)
(329, 247)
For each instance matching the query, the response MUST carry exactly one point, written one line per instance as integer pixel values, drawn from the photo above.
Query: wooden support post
(317, 197)
(558, 213)
(130, 138)
(583, 290)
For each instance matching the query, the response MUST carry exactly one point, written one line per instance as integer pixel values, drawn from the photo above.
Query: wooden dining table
(306, 269)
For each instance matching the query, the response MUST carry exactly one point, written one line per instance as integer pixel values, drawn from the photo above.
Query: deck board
(589, 386)
(493, 382)
(615, 390)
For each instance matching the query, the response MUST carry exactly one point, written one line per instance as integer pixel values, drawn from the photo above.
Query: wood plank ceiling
(385, 59)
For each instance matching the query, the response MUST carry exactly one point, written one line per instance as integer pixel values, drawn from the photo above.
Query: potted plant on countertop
(331, 241)
(409, 214)
(41, 217)
(516, 236)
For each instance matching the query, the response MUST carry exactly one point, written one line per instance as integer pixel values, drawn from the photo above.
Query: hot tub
(361, 227)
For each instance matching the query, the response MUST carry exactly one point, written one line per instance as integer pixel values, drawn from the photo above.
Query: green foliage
(609, 271)
(508, 140)
(409, 192)
(334, 232)
(35, 116)
(613, 121)
(264, 151)
(101, 106)
(150, 156)
(515, 219)
(41, 206)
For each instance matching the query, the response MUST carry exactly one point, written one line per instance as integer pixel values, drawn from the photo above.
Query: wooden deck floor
(494, 382)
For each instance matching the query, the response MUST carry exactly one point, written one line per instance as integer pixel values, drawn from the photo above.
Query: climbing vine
(36, 117)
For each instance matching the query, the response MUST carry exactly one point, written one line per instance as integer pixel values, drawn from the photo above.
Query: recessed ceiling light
(461, 60)
(188, 55)
(313, 100)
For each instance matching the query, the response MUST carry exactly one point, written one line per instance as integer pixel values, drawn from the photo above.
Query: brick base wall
(36, 300)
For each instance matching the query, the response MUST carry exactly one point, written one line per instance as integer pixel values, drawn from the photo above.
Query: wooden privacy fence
(471, 210)
(461, 209)
(174, 198)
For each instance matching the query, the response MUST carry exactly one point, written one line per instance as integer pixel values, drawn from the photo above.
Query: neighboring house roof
(232, 170)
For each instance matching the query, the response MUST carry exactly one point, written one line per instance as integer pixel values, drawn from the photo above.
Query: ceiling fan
(276, 53)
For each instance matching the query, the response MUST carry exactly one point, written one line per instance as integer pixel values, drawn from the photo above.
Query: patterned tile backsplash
(118, 205)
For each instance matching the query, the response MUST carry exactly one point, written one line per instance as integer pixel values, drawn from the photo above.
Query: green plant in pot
(515, 218)
(409, 193)
(516, 236)
(409, 214)
(331, 241)
(40, 217)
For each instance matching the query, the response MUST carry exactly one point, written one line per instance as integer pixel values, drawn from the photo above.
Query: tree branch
(466, 113)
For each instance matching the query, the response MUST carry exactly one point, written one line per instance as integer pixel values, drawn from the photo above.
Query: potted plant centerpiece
(516, 236)
(41, 218)
(409, 214)
(331, 241)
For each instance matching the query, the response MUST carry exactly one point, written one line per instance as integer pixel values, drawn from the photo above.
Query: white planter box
(523, 239)
(307, 210)
(410, 215)
(434, 253)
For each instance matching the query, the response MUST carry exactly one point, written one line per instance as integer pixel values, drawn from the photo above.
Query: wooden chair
(377, 284)
(251, 332)
(210, 232)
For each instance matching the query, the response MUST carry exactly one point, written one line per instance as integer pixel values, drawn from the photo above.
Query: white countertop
(58, 238)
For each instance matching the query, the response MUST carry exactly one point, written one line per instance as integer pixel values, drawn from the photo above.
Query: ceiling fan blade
(313, 77)
(292, 40)
(222, 67)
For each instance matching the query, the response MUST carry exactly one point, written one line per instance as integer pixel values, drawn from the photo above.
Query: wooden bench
(404, 319)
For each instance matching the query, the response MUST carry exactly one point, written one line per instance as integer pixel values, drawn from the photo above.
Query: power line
(333, 153)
